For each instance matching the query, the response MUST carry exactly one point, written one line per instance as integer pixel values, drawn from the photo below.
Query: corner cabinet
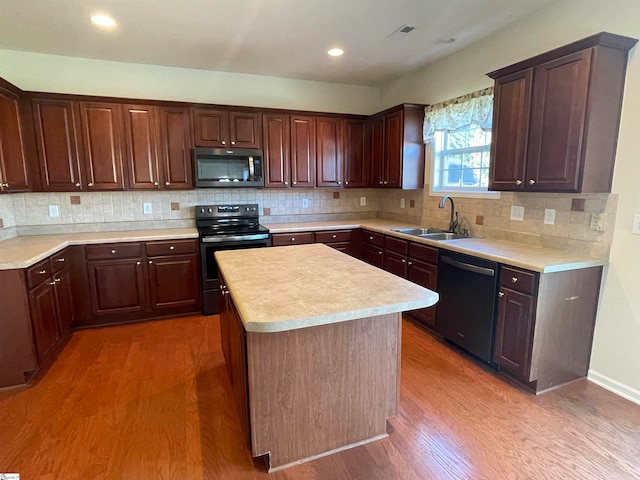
(396, 148)
(556, 118)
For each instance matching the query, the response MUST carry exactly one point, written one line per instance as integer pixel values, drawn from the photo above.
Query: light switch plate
(549, 216)
(363, 201)
(517, 213)
(635, 229)
(54, 211)
(402, 204)
(598, 221)
(147, 209)
(305, 203)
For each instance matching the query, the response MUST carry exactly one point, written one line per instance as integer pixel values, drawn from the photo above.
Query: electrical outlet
(549, 216)
(54, 211)
(147, 209)
(598, 221)
(635, 229)
(305, 203)
(402, 204)
(517, 213)
(363, 201)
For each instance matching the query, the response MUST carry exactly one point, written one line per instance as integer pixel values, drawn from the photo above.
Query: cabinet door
(245, 130)
(44, 318)
(173, 281)
(13, 163)
(355, 159)
(103, 140)
(117, 286)
(514, 331)
(394, 142)
(276, 138)
(511, 106)
(425, 275)
(64, 299)
(239, 375)
(303, 151)
(373, 255)
(376, 146)
(57, 141)
(395, 263)
(225, 326)
(175, 148)
(557, 123)
(141, 134)
(329, 151)
(211, 127)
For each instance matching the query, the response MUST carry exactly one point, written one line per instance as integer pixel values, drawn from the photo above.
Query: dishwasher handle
(489, 272)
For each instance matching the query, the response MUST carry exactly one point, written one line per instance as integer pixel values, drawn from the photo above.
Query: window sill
(462, 194)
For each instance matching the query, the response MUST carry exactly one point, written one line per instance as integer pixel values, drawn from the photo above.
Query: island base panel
(322, 389)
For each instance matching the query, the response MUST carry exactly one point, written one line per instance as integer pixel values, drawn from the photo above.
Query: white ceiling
(284, 38)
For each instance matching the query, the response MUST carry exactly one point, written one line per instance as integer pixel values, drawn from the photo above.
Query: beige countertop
(530, 257)
(308, 285)
(24, 251)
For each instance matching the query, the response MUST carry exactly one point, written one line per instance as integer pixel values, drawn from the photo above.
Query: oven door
(209, 269)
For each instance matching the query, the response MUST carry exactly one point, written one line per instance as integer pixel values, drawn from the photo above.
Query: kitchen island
(311, 338)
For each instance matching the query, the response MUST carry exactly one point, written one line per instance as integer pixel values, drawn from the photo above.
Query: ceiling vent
(401, 32)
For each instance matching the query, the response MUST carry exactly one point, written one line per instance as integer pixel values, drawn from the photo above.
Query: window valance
(473, 109)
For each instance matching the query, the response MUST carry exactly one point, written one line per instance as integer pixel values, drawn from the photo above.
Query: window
(461, 160)
(459, 132)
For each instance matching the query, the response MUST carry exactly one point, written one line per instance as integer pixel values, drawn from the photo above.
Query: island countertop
(286, 288)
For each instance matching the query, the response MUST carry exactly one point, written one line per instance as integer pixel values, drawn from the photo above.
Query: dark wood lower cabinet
(426, 275)
(44, 319)
(173, 281)
(117, 286)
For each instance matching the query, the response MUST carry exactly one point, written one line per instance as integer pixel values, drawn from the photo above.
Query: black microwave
(221, 167)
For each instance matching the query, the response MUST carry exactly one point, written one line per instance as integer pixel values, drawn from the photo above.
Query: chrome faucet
(453, 221)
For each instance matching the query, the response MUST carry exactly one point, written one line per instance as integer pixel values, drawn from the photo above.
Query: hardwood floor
(153, 401)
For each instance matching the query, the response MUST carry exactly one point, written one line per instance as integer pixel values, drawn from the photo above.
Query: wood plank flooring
(153, 401)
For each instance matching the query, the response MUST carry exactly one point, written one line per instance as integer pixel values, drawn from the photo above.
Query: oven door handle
(234, 238)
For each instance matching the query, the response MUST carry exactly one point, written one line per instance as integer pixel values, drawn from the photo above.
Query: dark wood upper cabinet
(303, 150)
(141, 136)
(175, 147)
(58, 144)
(13, 163)
(103, 140)
(556, 117)
(329, 151)
(219, 128)
(397, 148)
(276, 140)
(355, 153)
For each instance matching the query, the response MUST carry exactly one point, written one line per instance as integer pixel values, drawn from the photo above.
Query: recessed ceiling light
(446, 41)
(103, 20)
(335, 52)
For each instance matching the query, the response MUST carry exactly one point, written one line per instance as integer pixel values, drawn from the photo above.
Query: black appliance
(467, 306)
(221, 167)
(225, 227)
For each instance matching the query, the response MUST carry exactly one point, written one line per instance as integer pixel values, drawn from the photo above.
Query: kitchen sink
(430, 233)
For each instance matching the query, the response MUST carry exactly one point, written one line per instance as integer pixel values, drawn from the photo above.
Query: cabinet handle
(61, 259)
(385, 182)
(172, 247)
(167, 183)
(379, 252)
(409, 263)
(233, 143)
(90, 184)
(224, 292)
(346, 183)
(41, 272)
(339, 183)
(113, 251)
(293, 183)
(5, 185)
(52, 283)
(381, 182)
(223, 142)
(501, 294)
(286, 183)
(514, 279)
(531, 182)
(155, 183)
(78, 185)
(333, 236)
(56, 280)
(370, 238)
(518, 182)
(404, 261)
(150, 262)
(293, 239)
(138, 263)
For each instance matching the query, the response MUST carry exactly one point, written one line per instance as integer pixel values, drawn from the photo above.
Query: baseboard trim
(614, 386)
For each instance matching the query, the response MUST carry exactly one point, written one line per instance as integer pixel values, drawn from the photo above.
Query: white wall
(54, 73)
(615, 361)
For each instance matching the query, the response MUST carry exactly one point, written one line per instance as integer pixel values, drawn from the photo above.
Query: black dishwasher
(466, 310)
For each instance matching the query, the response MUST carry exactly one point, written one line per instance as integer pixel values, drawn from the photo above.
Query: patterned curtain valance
(472, 109)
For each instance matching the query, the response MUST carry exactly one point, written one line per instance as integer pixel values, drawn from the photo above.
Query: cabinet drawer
(397, 245)
(280, 239)
(423, 252)
(171, 247)
(113, 250)
(372, 238)
(519, 280)
(332, 236)
(39, 273)
(59, 260)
